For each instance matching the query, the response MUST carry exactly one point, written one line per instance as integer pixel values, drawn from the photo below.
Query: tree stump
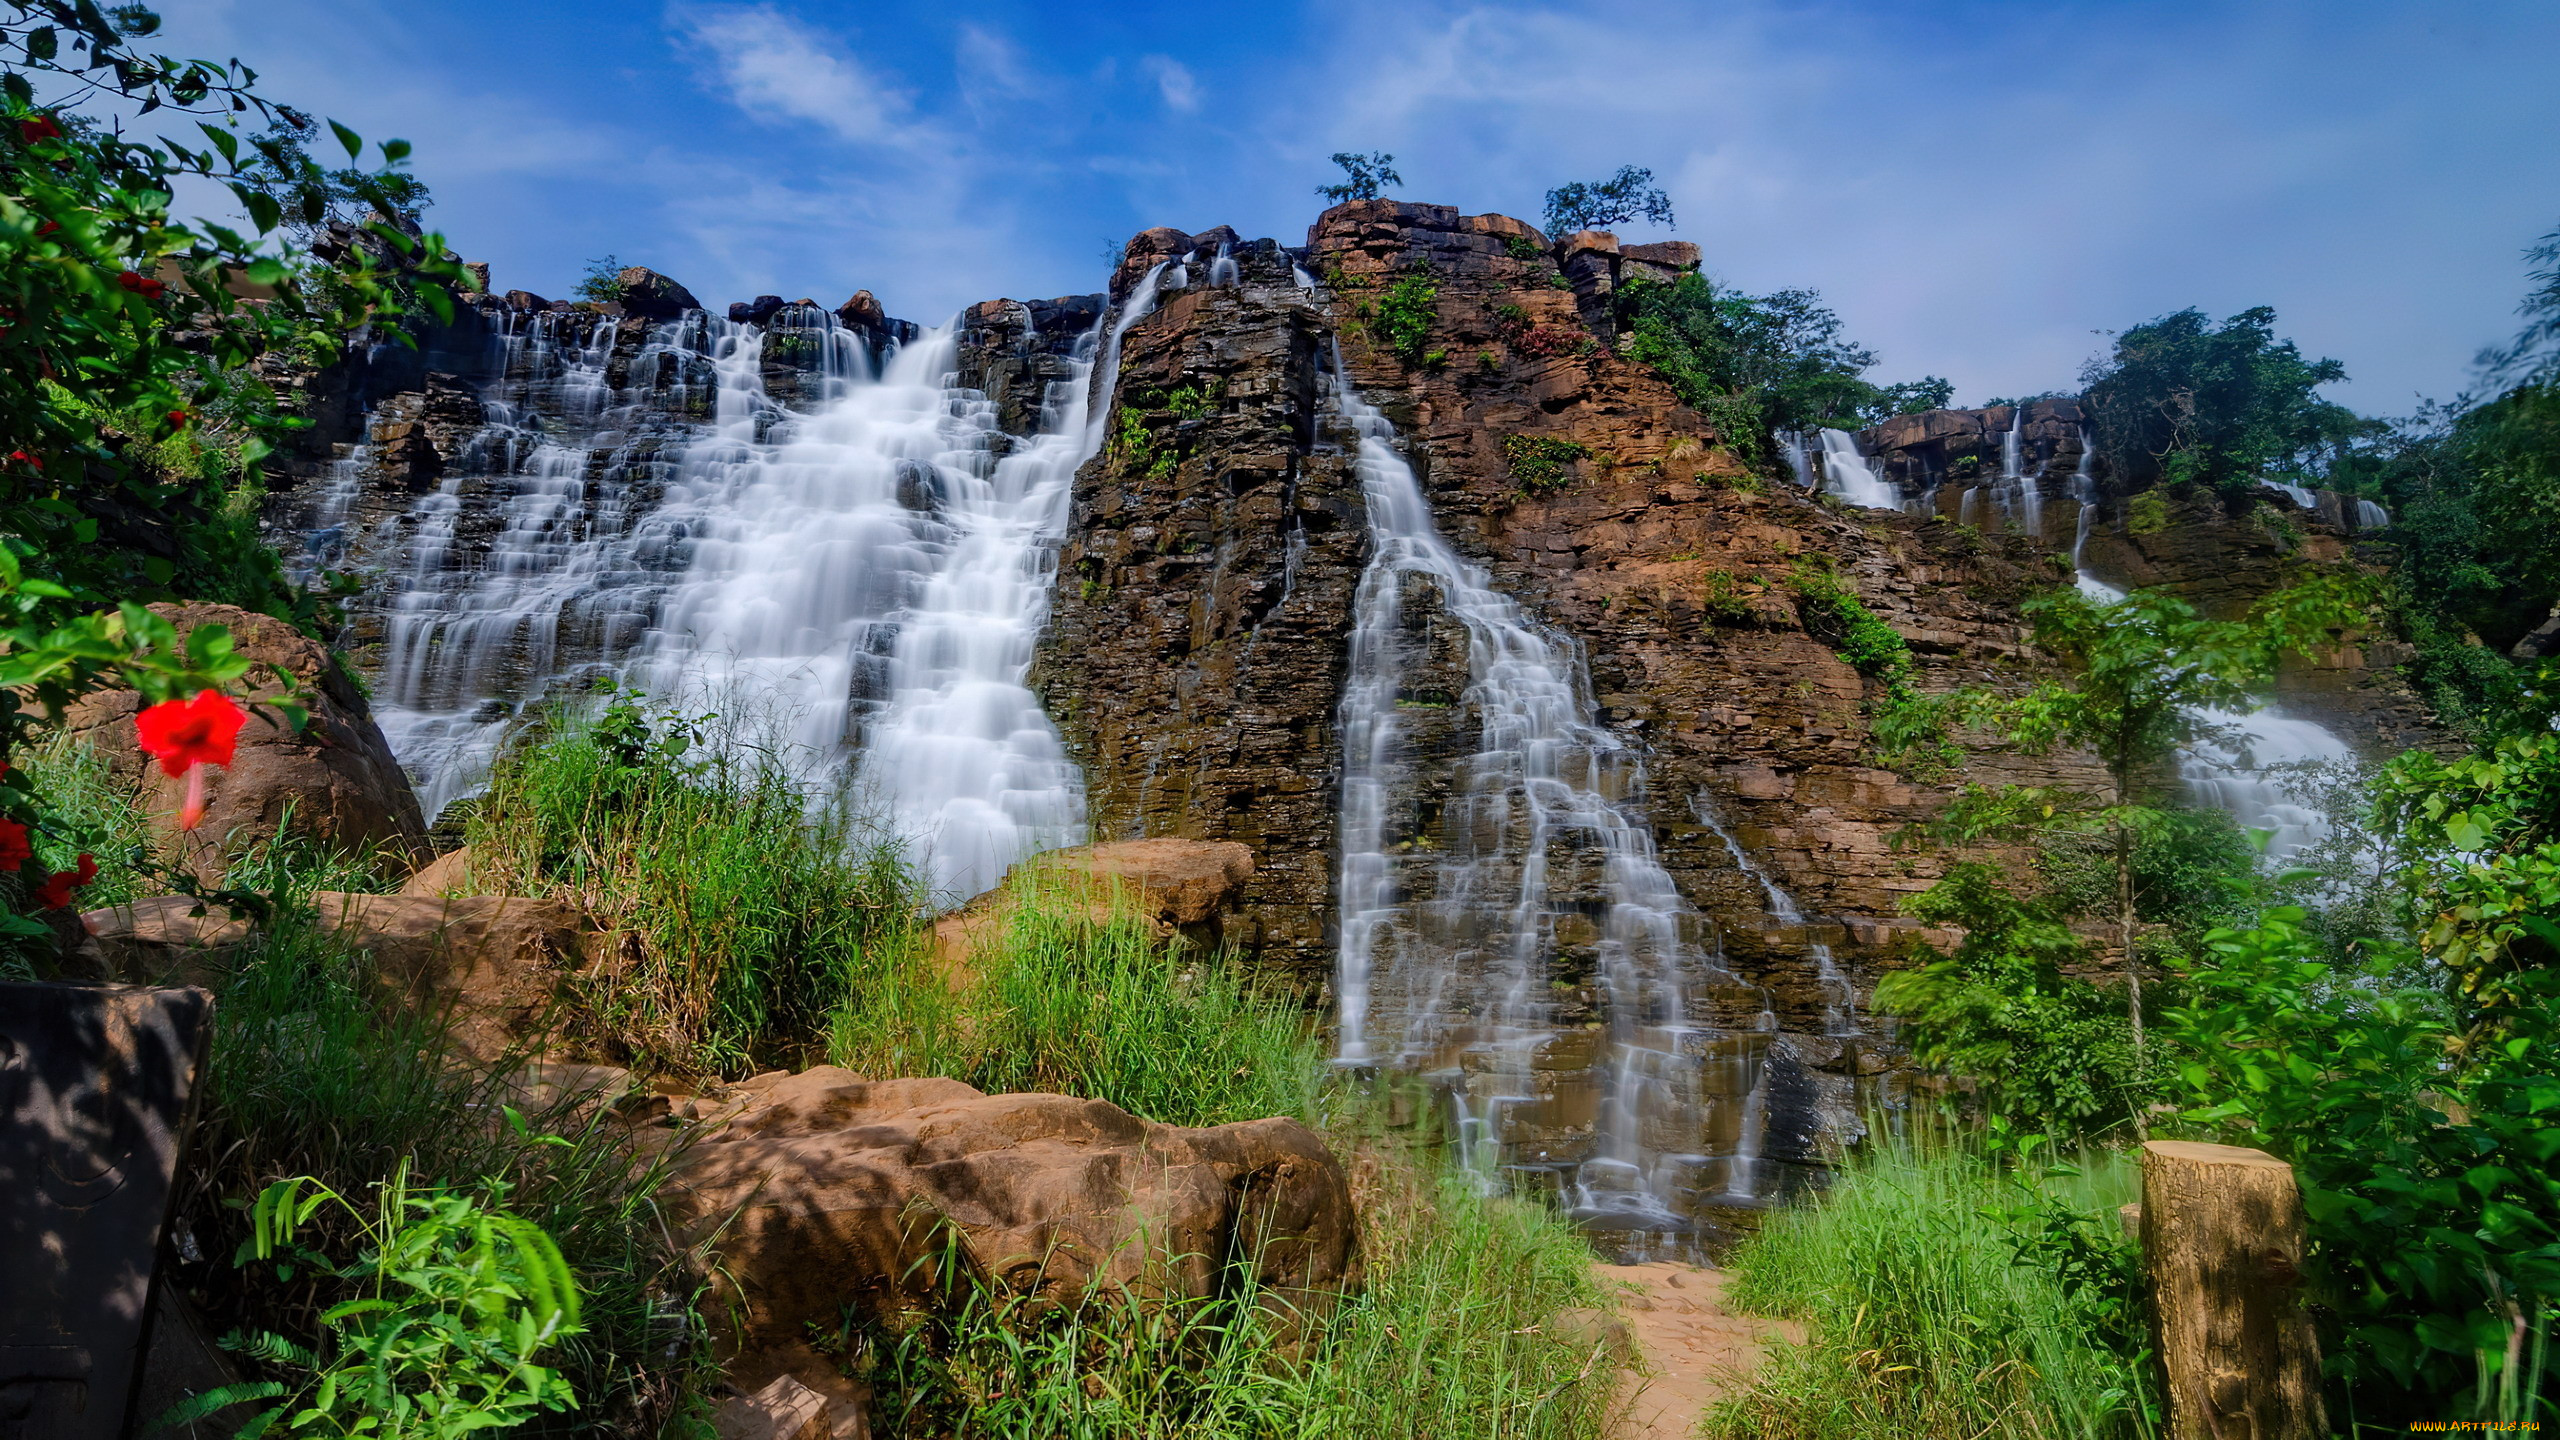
(2222, 1237)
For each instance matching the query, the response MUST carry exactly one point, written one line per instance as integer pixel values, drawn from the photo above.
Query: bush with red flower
(127, 358)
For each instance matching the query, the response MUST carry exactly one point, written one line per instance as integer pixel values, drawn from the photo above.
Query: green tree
(602, 280)
(2141, 672)
(1628, 195)
(1363, 176)
(2184, 401)
(1760, 364)
(311, 197)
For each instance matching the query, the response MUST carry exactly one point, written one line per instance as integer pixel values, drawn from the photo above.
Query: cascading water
(2249, 765)
(1799, 462)
(1456, 929)
(2371, 516)
(865, 581)
(2084, 489)
(1839, 997)
(2021, 501)
(570, 576)
(1850, 475)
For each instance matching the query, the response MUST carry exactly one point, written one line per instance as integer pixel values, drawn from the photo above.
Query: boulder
(822, 1191)
(335, 781)
(169, 939)
(653, 296)
(756, 311)
(492, 961)
(787, 1410)
(447, 875)
(1184, 887)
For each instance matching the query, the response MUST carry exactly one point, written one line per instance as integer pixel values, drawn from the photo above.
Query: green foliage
(601, 281)
(2478, 845)
(2425, 1129)
(310, 1074)
(310, 197)
(740, 915)
(124, 329)
(1756, 365)
(1523, 249)
(1454, 1337)
(1076, 1002)
(1721, 600)
(2183, 401)
(1402, 317)
(1542, 464)
(1947, 1301)
(2532, 359)
(1363, 176)
(1588, 205)
(2053, 1053)
(1909, 729)
(2478, 567)
(454, 1298)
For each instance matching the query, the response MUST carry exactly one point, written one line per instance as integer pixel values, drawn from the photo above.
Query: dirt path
(1694, 1348)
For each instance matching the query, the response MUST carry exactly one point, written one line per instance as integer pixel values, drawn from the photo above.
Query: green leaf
(353, 142)
(263, 210)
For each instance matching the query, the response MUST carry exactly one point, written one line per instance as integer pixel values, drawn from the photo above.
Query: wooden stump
(2222, 1237)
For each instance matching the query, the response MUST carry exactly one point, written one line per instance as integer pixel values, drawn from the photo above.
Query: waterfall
(2021, 501)
(2084, 489)
(1852, 478)
(1799, 463)
(1839, 998)
(2296, 493)
(2371, 516)
(1456, 931)
(2242, 766)
(570, 575)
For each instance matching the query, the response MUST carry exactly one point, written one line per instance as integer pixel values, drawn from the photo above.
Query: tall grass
(1083, 999)
(742, 911)
(312, 1073)
(1925, 1323)
(1454, 1338)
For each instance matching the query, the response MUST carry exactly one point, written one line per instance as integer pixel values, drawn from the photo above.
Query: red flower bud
(41, 127)
(47, 228)
(142, 285)
(179, 418)
(14, 849)
(32, 462)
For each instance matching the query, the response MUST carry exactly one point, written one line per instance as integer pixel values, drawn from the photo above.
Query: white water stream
(1851, 476)
(863, 582)
(1450, 937)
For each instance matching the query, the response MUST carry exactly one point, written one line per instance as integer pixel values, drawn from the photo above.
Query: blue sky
(1978, 188)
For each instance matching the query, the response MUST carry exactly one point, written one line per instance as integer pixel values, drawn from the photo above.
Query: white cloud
(1174, 81)
(779, 70)
(991, 69)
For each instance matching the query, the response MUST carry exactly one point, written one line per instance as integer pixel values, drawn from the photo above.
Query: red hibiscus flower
(187, 735)
(142, 285)
(55, 892)
(14, 849)
(39, 127)
(32, 462)
(179, 418)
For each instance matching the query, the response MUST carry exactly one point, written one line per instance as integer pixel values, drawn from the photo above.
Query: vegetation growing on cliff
(1757, 365)
(1541, 464)
(2181, 400)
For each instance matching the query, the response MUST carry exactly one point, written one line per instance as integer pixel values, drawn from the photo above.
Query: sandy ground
(1692, 1346)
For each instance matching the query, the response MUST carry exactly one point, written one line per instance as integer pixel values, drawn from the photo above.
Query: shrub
(1721, 599)
(1402, 318)
(1542, 464)
(601, 282)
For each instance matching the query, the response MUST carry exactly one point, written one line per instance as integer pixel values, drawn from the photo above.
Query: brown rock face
(1193, 657)
(1014, 350)
(1190, 888)
(653, 296)
(334, 781)
(839, 1192)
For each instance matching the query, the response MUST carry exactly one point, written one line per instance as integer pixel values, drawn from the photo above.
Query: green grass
(1069, 999)
(1924, 1323)
(310, 1073)
(742, 911)
(1453, 1338)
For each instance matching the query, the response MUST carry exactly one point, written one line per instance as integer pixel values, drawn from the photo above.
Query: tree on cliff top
(2184, 401)
(1628, 195)
(1363, 176)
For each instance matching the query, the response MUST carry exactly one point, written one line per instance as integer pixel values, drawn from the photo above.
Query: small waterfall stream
(1461, 929)
(1851, 476)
